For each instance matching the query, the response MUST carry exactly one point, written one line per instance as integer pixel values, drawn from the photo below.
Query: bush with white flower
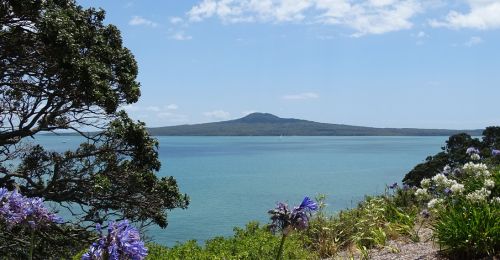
(465, 205)
(473, 182)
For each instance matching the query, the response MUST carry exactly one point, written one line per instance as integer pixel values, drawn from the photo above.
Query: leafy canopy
(62, 68)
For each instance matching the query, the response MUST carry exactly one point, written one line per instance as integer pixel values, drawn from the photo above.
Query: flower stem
(280, 251)
(32, 246)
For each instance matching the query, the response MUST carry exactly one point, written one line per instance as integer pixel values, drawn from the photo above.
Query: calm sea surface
(233, 180)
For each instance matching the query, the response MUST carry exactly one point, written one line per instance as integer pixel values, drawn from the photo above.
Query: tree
(62, 68)
(454, 154)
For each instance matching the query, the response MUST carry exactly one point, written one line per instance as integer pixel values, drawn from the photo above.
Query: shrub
(371, 224)
(468, 229)
(252, 242)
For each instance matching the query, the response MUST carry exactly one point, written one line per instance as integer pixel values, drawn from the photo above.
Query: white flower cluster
(422, 194)
(478, 195)
(475, 157)
(434, 203)
(426, 183)
(442, 181)
(489, 184)
(438, 188)
(439, 183)
(457, 188)
(476, 169)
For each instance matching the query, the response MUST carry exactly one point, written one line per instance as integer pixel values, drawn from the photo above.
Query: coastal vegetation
(64, 69)
(460, 204)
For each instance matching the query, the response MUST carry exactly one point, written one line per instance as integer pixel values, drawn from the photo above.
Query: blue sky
(383, 63)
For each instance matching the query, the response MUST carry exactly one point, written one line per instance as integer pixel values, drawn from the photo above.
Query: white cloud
(420, 37)
(153, 108)
(161, 114)
(369, 17)
(172, 107)
(173, 117)
(176, 20)
(474, 40)
(181, 36)
(130, 108)
(365, 17)
(483, 15)
(137, 20)
(421, 34)
(301, 96)
(217, 114)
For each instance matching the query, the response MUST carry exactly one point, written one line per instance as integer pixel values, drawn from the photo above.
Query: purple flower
(122, 242)
(495, 152)
(393, 186)
(406, 187)
(16, 209)
(447, 191)
(308, 204)
(283, 219)
(472, 150)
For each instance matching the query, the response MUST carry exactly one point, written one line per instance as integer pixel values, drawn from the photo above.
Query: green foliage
(253, 242)
(64, 68)
(371, 224)
(491, 137)
(427, 169)
(467, 230)
(48, 242)
(454, 154)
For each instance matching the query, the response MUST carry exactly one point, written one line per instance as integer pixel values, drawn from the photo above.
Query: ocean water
(234, 180)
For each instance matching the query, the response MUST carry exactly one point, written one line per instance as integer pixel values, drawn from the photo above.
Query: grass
(371, 224)
(467, 230)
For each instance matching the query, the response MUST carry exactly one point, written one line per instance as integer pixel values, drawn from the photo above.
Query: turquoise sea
(233, 180)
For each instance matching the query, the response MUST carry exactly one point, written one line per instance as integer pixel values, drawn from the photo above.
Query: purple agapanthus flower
(472, 150)
(495, 152)
(447, 191)
(16, 209)
(121, 242)
(283, 219)
(308, 204)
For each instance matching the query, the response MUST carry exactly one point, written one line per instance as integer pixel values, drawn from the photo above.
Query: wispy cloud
(153, 108)
(365, 17)
(474, 40)
(173, 117)
(420, 37)
(176, 20)
(181, 36)
(166, 113)
(138, 20)
(172, 107)
(483, 15)
(301, 96)
(217, 114)
(130, 108)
